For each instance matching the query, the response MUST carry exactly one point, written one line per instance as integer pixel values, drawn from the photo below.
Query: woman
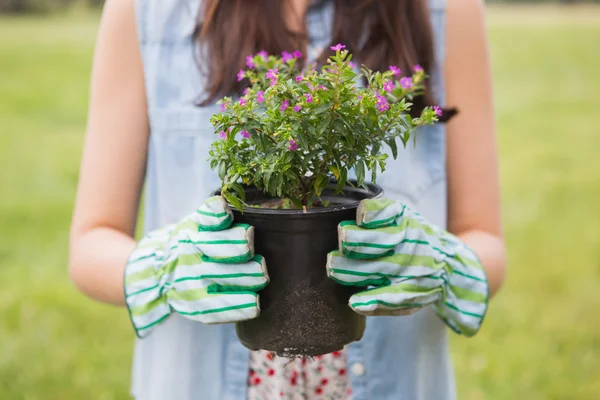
(159, 67)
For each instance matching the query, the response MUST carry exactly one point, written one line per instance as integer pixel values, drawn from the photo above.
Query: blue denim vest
(399, 357)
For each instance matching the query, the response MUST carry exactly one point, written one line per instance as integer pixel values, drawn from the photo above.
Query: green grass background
(542, 336)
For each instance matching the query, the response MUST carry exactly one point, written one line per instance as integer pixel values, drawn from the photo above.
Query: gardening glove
(203, 268)
(408, 264)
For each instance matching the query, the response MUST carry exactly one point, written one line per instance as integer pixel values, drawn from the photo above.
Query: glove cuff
(144, 290)
(466, 294)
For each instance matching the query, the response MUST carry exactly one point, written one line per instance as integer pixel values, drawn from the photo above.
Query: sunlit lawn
(542, 338)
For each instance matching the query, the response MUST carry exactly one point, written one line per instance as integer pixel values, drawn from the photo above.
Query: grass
(542, 336)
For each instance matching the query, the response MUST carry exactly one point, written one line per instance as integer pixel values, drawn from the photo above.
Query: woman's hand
(203, 268)
(409, 264)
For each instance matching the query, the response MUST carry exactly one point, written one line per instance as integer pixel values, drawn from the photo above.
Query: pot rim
(373, 191)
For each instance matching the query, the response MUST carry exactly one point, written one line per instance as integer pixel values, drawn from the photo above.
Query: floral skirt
(322, 378)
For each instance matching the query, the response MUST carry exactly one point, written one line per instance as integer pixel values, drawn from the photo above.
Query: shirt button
(358, 369)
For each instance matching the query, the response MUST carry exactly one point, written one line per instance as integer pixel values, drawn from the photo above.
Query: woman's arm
(114, 158)
(474, 193)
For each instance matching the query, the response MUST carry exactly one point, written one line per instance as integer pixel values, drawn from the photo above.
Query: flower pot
(303, 312)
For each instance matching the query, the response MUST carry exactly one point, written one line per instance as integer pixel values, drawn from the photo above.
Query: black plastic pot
(303, 312)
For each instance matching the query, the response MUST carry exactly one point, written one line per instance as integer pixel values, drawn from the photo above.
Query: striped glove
(408, 264)
(203, 268)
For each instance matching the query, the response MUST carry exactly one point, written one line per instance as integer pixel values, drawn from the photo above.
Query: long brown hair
(379, 33)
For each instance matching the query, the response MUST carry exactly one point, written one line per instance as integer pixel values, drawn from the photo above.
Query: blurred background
(542, 338)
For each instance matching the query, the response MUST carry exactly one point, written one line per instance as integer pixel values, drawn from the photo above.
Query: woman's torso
(398, 358)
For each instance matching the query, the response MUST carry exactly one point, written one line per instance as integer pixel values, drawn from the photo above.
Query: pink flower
(297, 54)
(245, 134)
(293, 145)
(260, 96)
(224, 106)
(250, 61)
(351, 64)
(223, 135)
(418, 69)
(299, 78)
(246, 91)
(437, 110)
(309, 97)
(382, 104)
(272, 75)
(338, 47)
(285, 56)
(395, 70)
(297, 108)
(284, 105)
(240, 75)
(388, 86)
(406, 82)
(263, 54)
(323, 88)
(243, 102)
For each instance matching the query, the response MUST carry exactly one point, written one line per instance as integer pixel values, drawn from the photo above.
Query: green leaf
(374, 173)
(272, 186)
(233, 200)
(322, 108)
(288, 157)
(343, 179)
(322, 126)
(239, 190)
(392, 143)
(320, 184)
(222, 170)
(360, 173)
(335, 171)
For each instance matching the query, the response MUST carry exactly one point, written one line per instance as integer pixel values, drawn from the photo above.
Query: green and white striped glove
(203, 268)
(408, 264)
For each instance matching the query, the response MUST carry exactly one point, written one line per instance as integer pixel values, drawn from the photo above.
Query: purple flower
(250, 61)
(388, 86)
(418, 69)
(246, 91)
(359, 97)
(338, 47)
(299, 78)
(263, 54)
(285, 56)
(260, 96)
(240, 75)
(351, 64)
(297, 54)
(308, 97)
(272, 75)
(406, 82)
(293, 145)
(243, 102)
(223, 135)
(284, 105)
(297, 108)
(395, 70)
(382, 104)
(437, 110)
(245, 134)
(323, 88)
(224, 106)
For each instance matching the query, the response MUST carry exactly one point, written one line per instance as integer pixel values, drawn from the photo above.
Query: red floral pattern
(322, 378)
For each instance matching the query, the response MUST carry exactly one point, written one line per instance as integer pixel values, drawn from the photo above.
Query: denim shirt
(398, 357)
